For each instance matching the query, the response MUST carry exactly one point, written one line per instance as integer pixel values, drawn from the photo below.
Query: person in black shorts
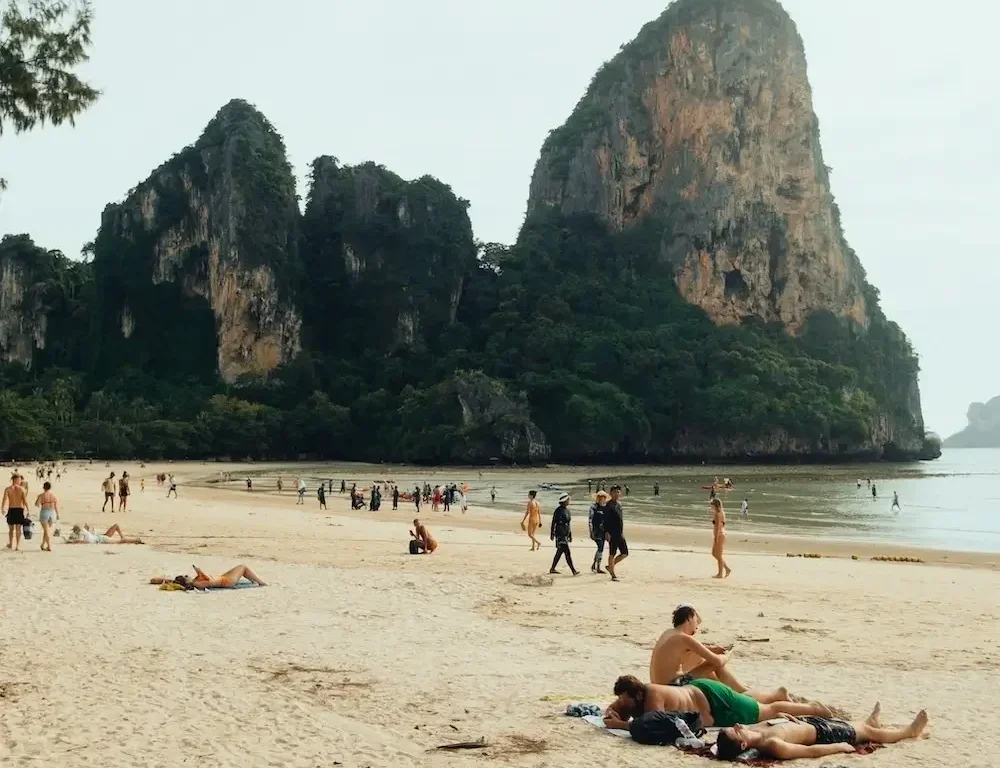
(807, 737)
(614, 527)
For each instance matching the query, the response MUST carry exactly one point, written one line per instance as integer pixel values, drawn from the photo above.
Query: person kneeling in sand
(202, 580)
(717, 704)
(813, 736)
(422, 542)
(679, 659)
(86, 536)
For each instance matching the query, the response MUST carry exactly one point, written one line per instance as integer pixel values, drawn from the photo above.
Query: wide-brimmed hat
(602, 494)
(564, 497)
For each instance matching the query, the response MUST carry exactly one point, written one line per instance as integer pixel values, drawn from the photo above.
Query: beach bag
(662, 728)
(414, 547)
(26, 526)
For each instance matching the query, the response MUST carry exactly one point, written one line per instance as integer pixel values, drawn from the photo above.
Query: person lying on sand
(202, 580)
(86, 536)
(813, 736)
(679, 659)
(716, 703)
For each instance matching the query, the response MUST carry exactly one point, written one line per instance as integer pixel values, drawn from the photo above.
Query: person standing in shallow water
(719, 538)
(493, 495)
(562, 534)
(532, 520)
(874, 492)
(656, 489)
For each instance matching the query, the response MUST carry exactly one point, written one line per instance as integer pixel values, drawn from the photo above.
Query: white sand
(360, 655)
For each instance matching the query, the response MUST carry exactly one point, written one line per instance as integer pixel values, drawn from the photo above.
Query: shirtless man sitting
(813, 736)
(86, 536)
(679, 659)
(716, 704)
(202, 580)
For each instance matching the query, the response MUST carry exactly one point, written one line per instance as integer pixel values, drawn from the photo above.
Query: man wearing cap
(562, 535)
(595, 521)
(614, 527)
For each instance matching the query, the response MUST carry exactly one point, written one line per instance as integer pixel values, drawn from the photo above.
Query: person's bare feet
(918, 724)
(717, 576)
(782, 694)
(728, 571)
(873, 718)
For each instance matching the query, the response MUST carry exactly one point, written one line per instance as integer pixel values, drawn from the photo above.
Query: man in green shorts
(717, 704)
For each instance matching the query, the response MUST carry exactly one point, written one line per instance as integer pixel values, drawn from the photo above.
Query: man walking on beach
(562, 534)
(321, 495)
(895, 501)
(595, 523)
(395, 497)
(300, 486)
(614, 529)
(15, 502)
(745, 509)
(108, 486)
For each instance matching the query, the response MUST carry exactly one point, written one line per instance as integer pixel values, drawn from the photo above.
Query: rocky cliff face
(23, 319)
(702, 129)
(199, 263)
(392, 255)
(495, 424)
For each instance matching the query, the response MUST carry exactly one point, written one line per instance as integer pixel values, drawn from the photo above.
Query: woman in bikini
(202, 580)
(48, 506)
(719, 538)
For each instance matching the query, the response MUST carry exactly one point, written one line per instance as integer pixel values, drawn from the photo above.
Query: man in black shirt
(395, 497)
(614, 527)
(562, 535)
(595, 521)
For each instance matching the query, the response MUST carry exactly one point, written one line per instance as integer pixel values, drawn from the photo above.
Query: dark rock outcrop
(496, 424)
(393, 254)
(702, 128)
(196, 269)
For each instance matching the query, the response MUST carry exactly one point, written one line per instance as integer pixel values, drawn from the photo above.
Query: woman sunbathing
(202, 580)
(86, 536)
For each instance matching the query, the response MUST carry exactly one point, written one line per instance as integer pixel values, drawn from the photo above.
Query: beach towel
(598, 722)
(241, 584)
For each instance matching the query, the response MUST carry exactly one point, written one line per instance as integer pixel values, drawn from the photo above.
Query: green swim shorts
(728, 707)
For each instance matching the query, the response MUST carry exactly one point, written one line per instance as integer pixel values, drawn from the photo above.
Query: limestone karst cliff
(703, 128)
(983, 429)
(43, 316)
(698, 143)
(196, 269)
(394, 253)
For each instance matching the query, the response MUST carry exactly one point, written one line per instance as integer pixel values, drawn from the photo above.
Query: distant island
(983, 430)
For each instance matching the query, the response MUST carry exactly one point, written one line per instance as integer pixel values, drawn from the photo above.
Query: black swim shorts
(618, 545)
(15, 516)
(832, 731)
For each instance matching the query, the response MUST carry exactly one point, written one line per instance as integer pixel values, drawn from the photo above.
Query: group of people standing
(605, 525)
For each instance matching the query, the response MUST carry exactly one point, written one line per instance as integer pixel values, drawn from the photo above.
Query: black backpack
(660, 728)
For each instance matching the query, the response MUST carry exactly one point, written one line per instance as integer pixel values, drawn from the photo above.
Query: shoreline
(504, 518)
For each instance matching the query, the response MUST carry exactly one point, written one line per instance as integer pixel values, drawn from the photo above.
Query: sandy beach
(360, 655)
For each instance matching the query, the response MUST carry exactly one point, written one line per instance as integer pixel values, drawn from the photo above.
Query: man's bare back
(15, 496)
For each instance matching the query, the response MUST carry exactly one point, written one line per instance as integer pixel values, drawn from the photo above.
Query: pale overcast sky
(466, 90)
